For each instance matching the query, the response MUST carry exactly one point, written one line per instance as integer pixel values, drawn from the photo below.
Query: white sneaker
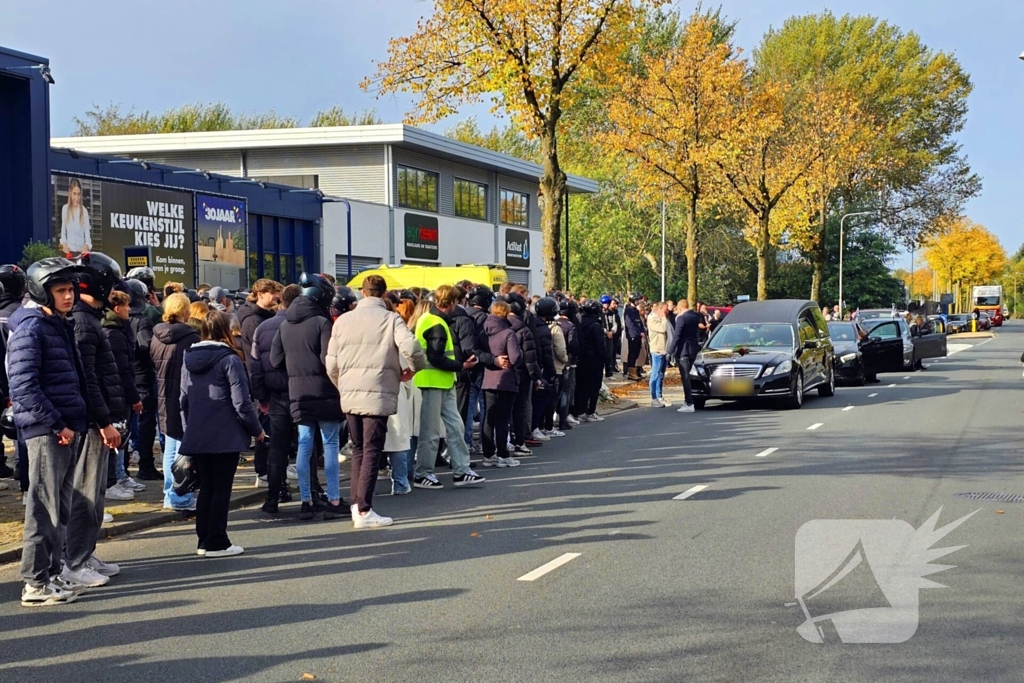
(107, 518)
(118, 492)
(133, 459)
(540, 436)
(371, 520)
(686, 408)
(656, 403)
(594, 417)
(261, 481)
(347, 448)
(63, 584)
(100, 567)
(572, 420)
(131, 484)
(85, 576)
(24, 499)
(227, 552)
(292, 473)
(492, 461)
(521, 450)
(50, 594)
(508, 462)
(667, 404)
(554, 433)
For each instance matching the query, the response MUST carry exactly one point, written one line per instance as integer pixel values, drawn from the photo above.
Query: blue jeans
(119, 470)
(329, 432)
(403, 463)
(657, 379)
(476, 407)
(172, 499)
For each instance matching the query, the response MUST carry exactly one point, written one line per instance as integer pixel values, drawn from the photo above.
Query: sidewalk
(147, 509)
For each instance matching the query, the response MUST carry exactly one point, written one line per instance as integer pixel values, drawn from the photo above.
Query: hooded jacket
(300, 347)
(216, 408)
(170, 341)
(545, 347)
(501, 340)
(528, 345)
(250, 316)
(561, 356)
(266, 380)
(572, 342)
(593, 343)
(634, 322)
(8, 305)
(485, 357)
(122, 345)
(104, 395)
(465, 337)
(46, 374)
(141, 328)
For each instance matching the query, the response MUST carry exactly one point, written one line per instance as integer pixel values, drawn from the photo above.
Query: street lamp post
(662, 250)
(842, 222)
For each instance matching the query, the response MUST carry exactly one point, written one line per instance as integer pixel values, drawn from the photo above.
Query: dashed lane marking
(872, 395)
(766, 452)
(549, 567)
(891, 386)
(815, 426)
(691, 491)
(847, 408)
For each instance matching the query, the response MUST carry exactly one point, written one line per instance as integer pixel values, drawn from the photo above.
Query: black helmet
(516, 303)
(317, 288)
(591, 307)
(100, 274)
(139, 292)
(13, 280)
(145, 275)
(7, 427)
(343, 300)
(481, 296)
(635, 296)
(43, 274)
(546, 309)
(407, 294)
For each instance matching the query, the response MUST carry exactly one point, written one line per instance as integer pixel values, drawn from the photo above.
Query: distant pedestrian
(657, 326)
(687, 346)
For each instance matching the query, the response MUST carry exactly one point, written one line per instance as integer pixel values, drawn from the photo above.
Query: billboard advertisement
(133, 224)
(421, 237)
(517, 248)
(221, 234)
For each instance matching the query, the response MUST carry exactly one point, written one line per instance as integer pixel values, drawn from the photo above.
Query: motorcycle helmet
(7, 427)
(635, 296)
(546, 309)
(516, 303)
(139, 293)
(185, 475)
(481, 296)
(145, 275)
(592, 307)
(100, 274)
(605, 299)
(407, 294)
(343, 301)
(46, 273)
(317, 288)
(13, 280)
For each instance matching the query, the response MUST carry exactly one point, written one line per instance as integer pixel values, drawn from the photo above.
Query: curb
(973, 335)
(618, 407)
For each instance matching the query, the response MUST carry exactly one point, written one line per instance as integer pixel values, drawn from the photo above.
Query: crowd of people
(99, 368)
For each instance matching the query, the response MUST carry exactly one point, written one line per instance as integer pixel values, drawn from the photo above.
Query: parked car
(777, 349)
(916, 347)
(849, 364)
(957, 323)
(984, 321)
(877, 313)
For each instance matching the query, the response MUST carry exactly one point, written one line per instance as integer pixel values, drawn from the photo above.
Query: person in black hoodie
(465, 333)
(567, 311)
(544, 392)
(529, 373)
(106, 405)
(12, 290)
(143, 425)
(300, 347)
(478, 302)
(219, 420)
(122, 344)
(270, 388)
(171, 339)
(593, 360)
(260, 305)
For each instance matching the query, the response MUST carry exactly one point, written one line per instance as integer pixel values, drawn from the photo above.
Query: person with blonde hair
(75, 229)
(197, 312)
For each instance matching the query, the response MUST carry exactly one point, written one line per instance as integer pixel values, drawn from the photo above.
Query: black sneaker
(339, 511)
(430, 482)
(149, 474)
(270, 507)
(307, 512)
(470, 477)
(564, 427)
(6, 472)
(284, 496)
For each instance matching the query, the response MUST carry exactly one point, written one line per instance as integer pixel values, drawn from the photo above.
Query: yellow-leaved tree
(964, 254)
(528, 57)
(671, 118)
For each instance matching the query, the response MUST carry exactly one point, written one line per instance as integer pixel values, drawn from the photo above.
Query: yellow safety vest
(430, 377)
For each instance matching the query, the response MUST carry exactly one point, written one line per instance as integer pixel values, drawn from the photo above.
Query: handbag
(185, 475)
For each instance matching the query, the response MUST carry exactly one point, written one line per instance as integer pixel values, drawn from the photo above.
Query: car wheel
(862, 377)
(797, 399)
(828, 388)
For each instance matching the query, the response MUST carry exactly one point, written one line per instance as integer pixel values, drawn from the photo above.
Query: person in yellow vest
(437, 387)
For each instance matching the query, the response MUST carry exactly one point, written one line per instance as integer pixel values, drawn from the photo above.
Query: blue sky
(297, 57)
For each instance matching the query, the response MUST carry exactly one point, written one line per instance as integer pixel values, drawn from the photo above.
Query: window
(417, 189)
(514, 208)
(470, 199)
(306, 182)
(807, 331)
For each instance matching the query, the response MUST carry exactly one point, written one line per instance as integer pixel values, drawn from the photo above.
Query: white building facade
(415, 197)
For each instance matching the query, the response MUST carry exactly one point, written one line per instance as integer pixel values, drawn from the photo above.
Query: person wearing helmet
(568, 311)
(106, 405)
(636, 333)
(467, 343)
(529, 373)
(146, 276)
(478, 303)
(612, 325)
(546, 310)
(143, 426)
(300, 348)
(12, 290)
(344, 301)
(48, 389)
(593, 359)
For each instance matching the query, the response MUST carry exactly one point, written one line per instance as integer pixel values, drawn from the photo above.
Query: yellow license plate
(734, 387)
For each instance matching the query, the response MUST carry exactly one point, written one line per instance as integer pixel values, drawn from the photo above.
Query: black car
(849, 363)
(766, 349)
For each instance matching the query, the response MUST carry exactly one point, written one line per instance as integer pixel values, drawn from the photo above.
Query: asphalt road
(662, 589)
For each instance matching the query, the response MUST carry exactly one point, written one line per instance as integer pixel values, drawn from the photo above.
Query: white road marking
(549, 567)
(891, 386)
(872, 395)
(847, 408)
(907, 377)
(952, 349)
(815, 426)
(613, 533)
(766, 452)
(691, 491)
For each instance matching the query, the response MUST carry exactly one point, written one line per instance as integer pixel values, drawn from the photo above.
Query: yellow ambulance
(432, 277)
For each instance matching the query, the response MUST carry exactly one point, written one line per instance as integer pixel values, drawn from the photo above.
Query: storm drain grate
(995, 497)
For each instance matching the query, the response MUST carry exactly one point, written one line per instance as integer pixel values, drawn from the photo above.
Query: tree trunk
(763, 250)
(691, 250)
(818, 256)
(552, 187)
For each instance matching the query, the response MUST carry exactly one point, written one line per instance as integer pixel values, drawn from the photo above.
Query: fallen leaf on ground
(308, 677)
(488, 517)
(474, 534)
(999, 512)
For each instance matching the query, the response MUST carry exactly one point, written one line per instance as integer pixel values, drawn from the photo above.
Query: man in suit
(686, 347)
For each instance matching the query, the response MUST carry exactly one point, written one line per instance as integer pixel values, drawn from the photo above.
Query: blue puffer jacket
(216, 406)
(46, 373)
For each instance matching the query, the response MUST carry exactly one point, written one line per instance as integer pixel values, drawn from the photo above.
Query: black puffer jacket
(170, 341)
(593, 346)
(145, 372)
(466, 338)
(249, 318)
(528, 345)
(104, 396)
(545, 352)
(300, 347)
(8, 305)
(267, 381)
(122, 346)
(483, 353)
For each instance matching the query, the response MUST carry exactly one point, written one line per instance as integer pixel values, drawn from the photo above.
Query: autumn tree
(670, 119)
(964, 254)
(507, 139)
(527, 57)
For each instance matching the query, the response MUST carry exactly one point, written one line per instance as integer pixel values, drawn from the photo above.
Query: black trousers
(261, 451)
(634, 353)
(521, 414)
(369, 432)
(147, 431)
(498, 414)
(612, 366)
(281, 427)
(462, 387)
(685, 363)
(216, 476)
(588, 381)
